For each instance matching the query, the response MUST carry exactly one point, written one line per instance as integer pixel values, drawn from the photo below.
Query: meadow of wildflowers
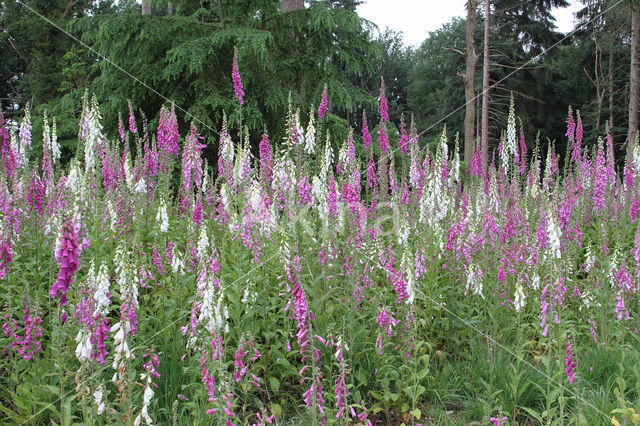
(316, 280)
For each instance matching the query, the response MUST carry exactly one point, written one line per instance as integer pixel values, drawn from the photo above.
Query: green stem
(548, 402)
(264, 316)
(313, 377)
(561, 397)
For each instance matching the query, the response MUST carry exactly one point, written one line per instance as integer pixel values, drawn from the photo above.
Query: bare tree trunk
(611, 94)
(599, 89)
(70, 3)
(287, 6)
(291, 5)
(485, 89)
(146, 7)
(633, 80)
(221, 13)
(471, 58)
(478, 117)
(169, 8)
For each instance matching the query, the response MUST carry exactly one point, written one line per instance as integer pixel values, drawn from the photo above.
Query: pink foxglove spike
(238, 88)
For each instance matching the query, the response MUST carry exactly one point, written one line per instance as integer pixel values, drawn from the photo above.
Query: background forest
(182, 49)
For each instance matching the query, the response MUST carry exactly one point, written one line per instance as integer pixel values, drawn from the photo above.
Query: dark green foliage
(187, 58)
(436, 89)
(394, 66)
(184, 54)
(531, 23)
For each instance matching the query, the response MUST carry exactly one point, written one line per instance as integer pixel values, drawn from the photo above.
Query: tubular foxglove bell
(25, 135)
(67, 255)
(310, 136)
(162, 218)
(322, 108)
(238, 88)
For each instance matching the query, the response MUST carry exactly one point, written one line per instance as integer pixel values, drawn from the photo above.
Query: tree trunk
(478, 117)
(221, 13)
(291, 5)
(70, 3)
(599, 89)
(633, 80)
(146, 7)
(611, 94)
(485, 89)
(169, 8)
(471, 58)
(287, 6)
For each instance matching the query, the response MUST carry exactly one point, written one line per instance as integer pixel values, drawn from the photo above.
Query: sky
(415, 18)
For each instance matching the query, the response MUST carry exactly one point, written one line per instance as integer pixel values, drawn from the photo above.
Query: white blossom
(213, 316)
(121, 350)
(128, 281)
(535, 282)
(520, 300)
(588, 299)
(25, 136)
(97, 399)
(162, 218)
(636, 155)
(141, 186)
(228, 153)
(146, 401)
(310, 137)
(299, 130)
(408, 270)
(73, 180)
(613, 266)
(509, 149)
(128, 172)
(112, 215)
(102, 290)
(55, 147)
(14, 145)
(94, 137)
(403, 233)
(327, 159)
(177, 263)
(205, 181)
(203, 243)
(474, 281)
(84, 347)
(590, 261)
(554, 234)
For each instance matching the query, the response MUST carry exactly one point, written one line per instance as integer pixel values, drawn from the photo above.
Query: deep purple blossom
(67, 256)
(132, 120)
(120, 127)
(192, 160)
(168, 134)
(266, 160)
(324, 103)
(24, 339)
(600, 180)
(366, 136)
(383, 138)
(384, 106)
(570, 362)
(238, 89)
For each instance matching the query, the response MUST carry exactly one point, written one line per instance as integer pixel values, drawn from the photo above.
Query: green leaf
(376, 409)
(276, 409)
(274, 384)
(533, 413)
(422, 374)
(416, 413)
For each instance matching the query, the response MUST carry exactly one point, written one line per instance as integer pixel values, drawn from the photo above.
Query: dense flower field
(346, 282)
